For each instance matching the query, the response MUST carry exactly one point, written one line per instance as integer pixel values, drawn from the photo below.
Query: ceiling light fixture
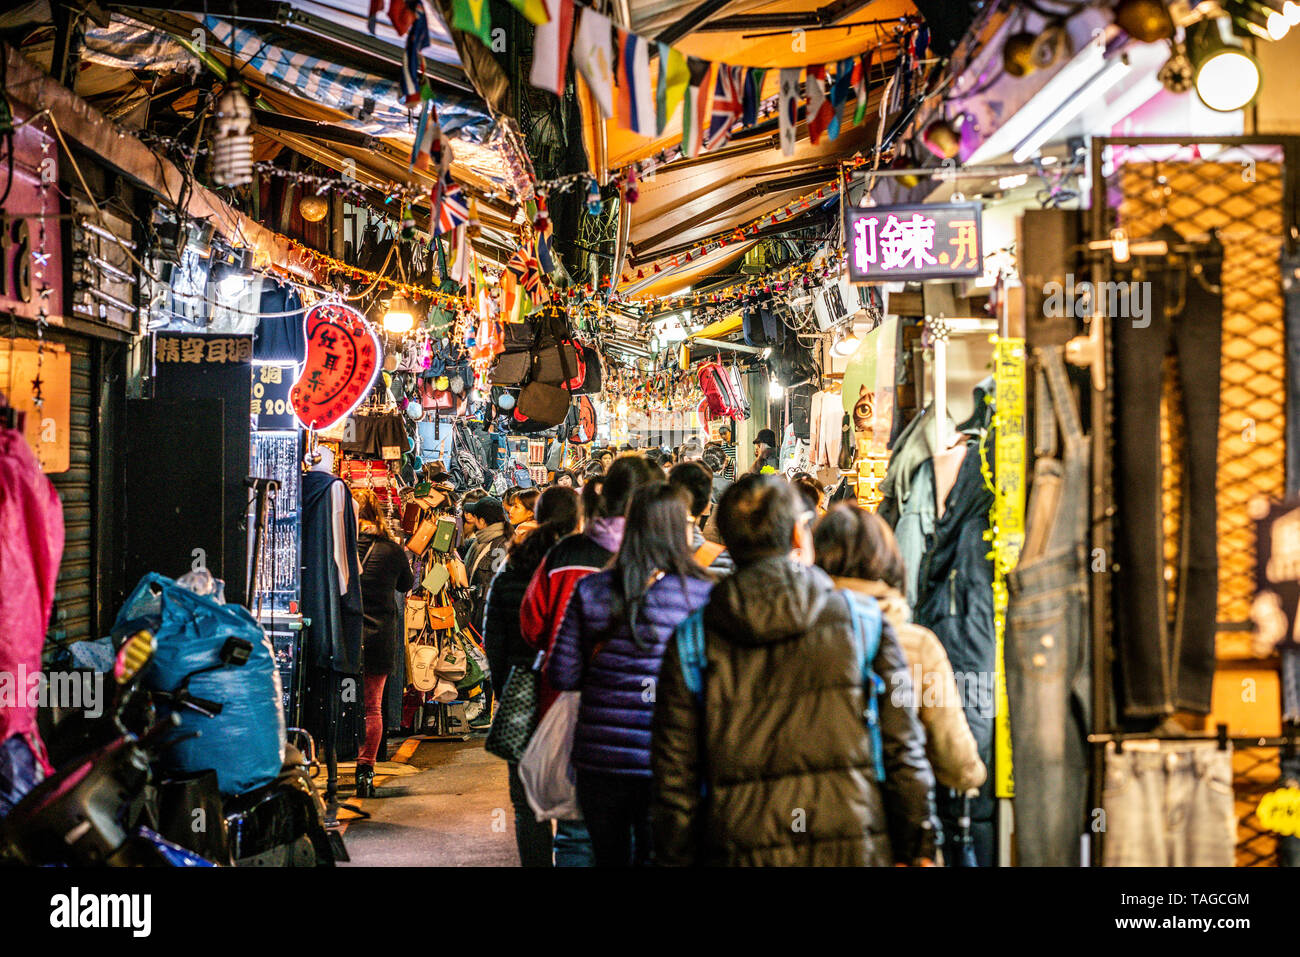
(1226, 76)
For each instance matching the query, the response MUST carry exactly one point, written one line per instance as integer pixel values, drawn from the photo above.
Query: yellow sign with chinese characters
(1008, 522)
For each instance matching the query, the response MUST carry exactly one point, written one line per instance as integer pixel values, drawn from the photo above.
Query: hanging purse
(456, 567)
(417, 612)
(444, 535)
(442, 617)
(418, 542)
(452, 660)
(422, 665)
(436, 578)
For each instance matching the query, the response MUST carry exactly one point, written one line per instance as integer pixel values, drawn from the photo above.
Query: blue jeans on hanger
(1047, 650)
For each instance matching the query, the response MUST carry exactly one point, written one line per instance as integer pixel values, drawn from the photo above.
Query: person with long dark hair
(385, 571)
(610, 646)
(556, 515)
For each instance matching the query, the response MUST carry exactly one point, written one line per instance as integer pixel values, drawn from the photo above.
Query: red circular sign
(343, 355)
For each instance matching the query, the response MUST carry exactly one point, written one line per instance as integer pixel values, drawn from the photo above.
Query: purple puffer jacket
(618, 685)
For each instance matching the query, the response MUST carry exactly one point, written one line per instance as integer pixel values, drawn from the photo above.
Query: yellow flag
(534, 11)
(673, 78)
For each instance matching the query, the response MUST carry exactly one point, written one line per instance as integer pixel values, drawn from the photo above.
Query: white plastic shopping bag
(545, 768)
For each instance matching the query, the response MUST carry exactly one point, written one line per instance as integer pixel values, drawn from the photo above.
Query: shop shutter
(73, 617)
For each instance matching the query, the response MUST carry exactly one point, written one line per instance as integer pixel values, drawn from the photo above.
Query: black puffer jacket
(788, 769)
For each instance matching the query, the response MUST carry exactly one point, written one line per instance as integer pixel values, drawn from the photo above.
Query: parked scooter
(107, 807)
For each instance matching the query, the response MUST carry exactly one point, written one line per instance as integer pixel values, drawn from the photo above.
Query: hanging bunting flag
(636, 106)
(753, 95)
(591, 55)
(375, 7)
(698, 105)
(449, 208)
(401, 16)
(861, 80)
(527, 271)
(840, 95)
(728, 105)
(544, 254)
(788, 106)
(460, 258)
(673, 77)
(534, 11)
(551, 42)
(417, 38)
(819, 107)
(473, 17)
(428, 139)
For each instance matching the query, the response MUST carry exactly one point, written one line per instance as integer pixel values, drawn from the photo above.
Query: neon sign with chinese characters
(937, 241)
(343, 356)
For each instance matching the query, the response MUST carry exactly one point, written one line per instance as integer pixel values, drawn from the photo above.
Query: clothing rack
(1289, 738)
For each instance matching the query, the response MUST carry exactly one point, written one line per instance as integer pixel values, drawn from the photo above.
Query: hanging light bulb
(775, 389)
(398, 319)
(1291, 10)
(1226, 76)
(1119, 250)
(846, 344)
(232, 144)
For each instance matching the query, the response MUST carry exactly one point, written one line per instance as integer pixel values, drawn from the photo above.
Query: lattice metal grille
(1240, 194)
(1254, 773)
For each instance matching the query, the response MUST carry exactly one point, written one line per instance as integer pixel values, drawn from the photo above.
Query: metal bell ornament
(232, 144)
(942, 138)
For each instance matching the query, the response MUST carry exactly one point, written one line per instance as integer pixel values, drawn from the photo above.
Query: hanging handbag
(417, 614)
(442, 617)
(435, 578)
(422, 665)
(543, 403)
(475, 673)
(418, 542)
(444, 534)
(457, 569)
(516, 716)
(451, 660)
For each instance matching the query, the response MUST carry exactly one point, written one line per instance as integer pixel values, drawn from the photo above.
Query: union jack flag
(449, 206)
(523, 265)
(728, 105)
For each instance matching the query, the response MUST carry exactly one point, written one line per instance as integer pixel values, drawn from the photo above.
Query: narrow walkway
(453, 812)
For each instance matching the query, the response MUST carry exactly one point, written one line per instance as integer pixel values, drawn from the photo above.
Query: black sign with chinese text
(203, 350)
(271, 407)
(936, 241)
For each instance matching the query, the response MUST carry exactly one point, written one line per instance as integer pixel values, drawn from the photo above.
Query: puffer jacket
(618, 683)
(949, 744)
(787, 773)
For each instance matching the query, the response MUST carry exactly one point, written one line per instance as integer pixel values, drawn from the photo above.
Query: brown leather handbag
(419, 542)
(442, 617)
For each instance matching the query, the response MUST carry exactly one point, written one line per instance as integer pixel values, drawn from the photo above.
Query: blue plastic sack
(244, 744)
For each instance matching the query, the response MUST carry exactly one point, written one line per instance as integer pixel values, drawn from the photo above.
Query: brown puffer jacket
(949, 744)
(786, 774)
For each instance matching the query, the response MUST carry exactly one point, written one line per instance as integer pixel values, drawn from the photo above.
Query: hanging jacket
(613, 731)
(788, 775)
(334, 639)
(949, 744)
(31, 548)
(569, 561)
(956, 603)
(914, 528)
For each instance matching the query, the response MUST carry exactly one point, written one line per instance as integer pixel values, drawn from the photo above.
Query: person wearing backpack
(857, 549)
(760, 751)
(610, 646)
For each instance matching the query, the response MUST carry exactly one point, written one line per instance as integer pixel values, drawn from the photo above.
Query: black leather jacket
(776, 767)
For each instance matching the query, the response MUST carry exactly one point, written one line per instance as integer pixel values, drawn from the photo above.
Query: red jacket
(547, 596)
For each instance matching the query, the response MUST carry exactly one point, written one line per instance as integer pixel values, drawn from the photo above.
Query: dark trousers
(1166, 661)
(616, 809)
(532, 836)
